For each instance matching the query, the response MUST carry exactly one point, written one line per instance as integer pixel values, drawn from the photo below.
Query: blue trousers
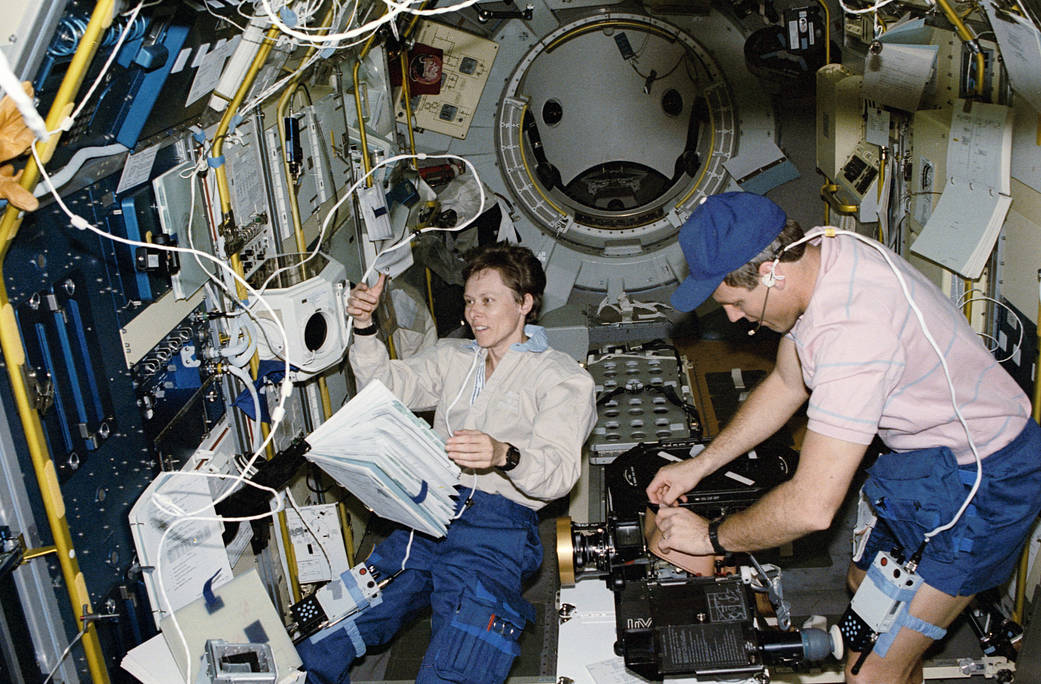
(915, 492)
(471, 579)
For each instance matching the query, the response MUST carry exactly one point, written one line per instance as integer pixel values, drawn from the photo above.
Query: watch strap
(371, 329)
(713, 537)
(512, 458)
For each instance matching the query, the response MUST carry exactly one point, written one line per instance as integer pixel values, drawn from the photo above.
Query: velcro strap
(888, 588)
(905, 619)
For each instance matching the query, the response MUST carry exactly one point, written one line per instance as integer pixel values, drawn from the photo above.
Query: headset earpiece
(771, 277)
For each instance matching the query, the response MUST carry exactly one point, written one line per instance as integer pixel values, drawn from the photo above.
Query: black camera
(669, 621)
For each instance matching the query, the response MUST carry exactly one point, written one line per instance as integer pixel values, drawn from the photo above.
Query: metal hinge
(39, 387)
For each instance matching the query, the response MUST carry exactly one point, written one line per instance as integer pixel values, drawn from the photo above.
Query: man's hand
(673, 481)
(475, 449)
(363, 300)
(684, 531)
(703, 566)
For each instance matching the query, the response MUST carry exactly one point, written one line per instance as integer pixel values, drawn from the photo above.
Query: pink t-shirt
(870, 368)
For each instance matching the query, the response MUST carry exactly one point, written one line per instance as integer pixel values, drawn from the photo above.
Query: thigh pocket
(914, 492)
(479, 642)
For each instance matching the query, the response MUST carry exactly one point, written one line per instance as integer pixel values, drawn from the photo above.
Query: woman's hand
(363, 300)
(475, 449)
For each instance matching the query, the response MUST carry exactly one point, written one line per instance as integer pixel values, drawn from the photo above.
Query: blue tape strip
(418, 498)
(235, 121)
(214, 162)
(359, 644)
(905, 619)
(887, 588)
(287, 16)
(213, 602)
(353, 590)
(255, 633)
(199, 136)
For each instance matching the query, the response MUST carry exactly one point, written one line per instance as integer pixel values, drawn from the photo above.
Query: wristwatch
(512, 458)
(713, 537)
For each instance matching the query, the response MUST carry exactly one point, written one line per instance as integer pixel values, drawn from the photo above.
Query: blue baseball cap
(723, 233)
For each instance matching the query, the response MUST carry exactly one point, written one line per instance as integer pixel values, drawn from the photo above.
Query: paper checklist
(378, 450)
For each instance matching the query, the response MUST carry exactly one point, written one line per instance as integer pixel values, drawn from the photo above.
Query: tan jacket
(541, 402)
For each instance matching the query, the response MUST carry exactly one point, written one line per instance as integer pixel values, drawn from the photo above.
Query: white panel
(452, 110)
(152, 324)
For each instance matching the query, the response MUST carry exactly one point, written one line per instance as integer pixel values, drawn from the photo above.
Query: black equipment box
(736, 485)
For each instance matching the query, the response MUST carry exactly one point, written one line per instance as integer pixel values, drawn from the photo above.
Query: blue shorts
(915, 492)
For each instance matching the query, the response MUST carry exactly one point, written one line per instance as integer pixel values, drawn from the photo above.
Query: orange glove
(14, 193)
(15, 136)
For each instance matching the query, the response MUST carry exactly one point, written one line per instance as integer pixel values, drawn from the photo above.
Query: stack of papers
(961, 232)
(378, 450)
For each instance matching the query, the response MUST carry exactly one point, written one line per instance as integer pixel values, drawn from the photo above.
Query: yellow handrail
(283, 106)
(827, 32)
(828, 191)
(14, 350)
(963, 32)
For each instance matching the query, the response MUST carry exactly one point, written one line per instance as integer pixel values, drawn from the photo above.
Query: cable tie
(277, 414)
(79, 222)
(215, 162)
(66, 124)
(326, 53)
(830, 232)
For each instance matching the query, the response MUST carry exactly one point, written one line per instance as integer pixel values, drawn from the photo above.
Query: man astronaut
(855, 347)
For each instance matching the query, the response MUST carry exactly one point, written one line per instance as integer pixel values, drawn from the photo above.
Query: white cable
(874, 8)
(408, 548)
(349, 193)
(832, 232)
(407, 239)
(448, 426)
(239, 340)
(245, 378)
(1019, 323)
(393, 10)
(68, 649)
